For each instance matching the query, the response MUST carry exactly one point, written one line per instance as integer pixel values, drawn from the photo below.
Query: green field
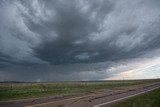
(15, 90)
(150, 99)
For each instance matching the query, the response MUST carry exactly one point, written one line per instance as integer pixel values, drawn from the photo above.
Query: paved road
(101, 98)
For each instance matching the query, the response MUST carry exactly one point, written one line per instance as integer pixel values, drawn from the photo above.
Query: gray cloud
(72, 37)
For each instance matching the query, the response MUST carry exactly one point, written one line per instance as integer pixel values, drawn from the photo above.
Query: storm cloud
(76, 39)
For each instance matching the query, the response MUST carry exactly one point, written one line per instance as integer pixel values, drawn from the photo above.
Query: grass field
(150, 99)
(14, 90)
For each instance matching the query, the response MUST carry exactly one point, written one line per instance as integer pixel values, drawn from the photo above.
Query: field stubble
(17, 90)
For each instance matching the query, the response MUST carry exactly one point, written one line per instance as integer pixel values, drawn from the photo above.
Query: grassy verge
(14, 90)
(150, 99)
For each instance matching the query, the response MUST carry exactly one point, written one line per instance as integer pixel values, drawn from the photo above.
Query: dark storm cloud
(72, 37)
(71, 28)
(74, 28)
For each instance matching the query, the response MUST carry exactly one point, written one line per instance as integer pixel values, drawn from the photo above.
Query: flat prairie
(19, 90)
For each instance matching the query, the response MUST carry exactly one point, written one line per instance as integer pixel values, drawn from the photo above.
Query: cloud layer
(82, 39)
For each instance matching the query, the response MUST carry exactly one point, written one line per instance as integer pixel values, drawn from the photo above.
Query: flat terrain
(14, 90)
(150, 99)
(72, 94)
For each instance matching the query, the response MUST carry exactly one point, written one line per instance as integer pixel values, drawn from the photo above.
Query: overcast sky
(63, 40)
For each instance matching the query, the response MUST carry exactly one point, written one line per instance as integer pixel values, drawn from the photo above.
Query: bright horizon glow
(147, 70)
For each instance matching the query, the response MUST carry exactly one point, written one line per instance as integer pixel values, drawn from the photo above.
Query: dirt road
(101, 98)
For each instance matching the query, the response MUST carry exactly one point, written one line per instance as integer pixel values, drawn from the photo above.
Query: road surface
(101, 98)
